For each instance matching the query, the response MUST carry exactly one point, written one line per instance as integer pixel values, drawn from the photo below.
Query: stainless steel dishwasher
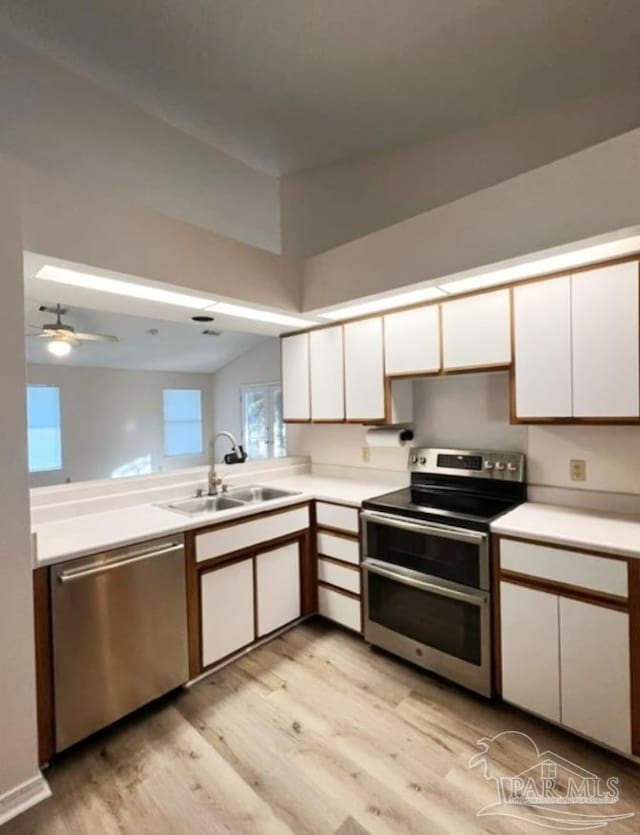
(119, 622)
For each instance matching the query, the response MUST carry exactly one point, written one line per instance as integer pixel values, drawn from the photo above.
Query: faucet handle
(199, 493)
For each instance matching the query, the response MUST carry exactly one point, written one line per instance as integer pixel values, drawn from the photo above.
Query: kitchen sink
(206, 504)
(256, 493)
(241, 496)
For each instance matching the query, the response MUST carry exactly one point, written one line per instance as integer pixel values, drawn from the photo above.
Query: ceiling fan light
(59, 347)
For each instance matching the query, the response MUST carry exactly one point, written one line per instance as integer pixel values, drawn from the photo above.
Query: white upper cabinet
(296, 401)
(364, 370)
(326, 364)
(412, 341)
(476, 331)
(606, 342)
(595, 672)
(542, 341)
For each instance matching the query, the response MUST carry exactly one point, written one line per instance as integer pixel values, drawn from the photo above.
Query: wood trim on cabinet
(193, 607)
(476, 369)
(340, 563)
(634, 651)
(496, 640)
(337, 532)
(44, 665)
(308, 575)
(596, 598)
(337, 589)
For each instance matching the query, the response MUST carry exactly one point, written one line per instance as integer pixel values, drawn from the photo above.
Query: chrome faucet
(215, 482)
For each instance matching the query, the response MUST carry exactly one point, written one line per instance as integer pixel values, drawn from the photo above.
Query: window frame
(271, 390)
(166, 422)
(58, 427)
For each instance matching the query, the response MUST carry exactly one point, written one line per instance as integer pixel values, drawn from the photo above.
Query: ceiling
(289, 84)
(177, 346)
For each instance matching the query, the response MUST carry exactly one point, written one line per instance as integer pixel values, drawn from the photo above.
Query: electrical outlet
(578, 469)
(365, 454)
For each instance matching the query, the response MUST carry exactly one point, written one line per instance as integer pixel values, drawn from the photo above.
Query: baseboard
(23, 797)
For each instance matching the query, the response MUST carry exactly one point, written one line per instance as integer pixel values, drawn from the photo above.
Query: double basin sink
(241, 496)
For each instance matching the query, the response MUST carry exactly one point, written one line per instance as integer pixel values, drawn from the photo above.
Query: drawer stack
(338, 548)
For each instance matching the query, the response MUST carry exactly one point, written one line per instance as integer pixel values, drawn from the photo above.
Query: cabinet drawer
(339, 607)
(339, 575)
(250, 531)
(337, 516)
(338, 547)
(596, 573)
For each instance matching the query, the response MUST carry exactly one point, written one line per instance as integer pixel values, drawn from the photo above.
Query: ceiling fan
(62, 337)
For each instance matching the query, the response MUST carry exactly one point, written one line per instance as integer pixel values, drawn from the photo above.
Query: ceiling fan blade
(95, 337)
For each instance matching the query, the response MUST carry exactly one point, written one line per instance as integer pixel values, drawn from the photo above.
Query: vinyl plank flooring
(314, 733)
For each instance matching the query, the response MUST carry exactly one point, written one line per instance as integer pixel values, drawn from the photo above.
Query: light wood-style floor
(313, 733)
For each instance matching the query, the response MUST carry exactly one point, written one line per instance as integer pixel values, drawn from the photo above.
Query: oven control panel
(494, 464)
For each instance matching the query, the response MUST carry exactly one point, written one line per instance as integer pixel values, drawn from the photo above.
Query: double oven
(426, 567)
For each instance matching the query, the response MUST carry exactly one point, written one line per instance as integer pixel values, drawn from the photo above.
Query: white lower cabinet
(278, 587)
(595, 672)
(568, 661)
(339, 607)
(530, 649)
(226, 602)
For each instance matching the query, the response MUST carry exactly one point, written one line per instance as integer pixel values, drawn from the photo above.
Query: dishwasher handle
(80, 573)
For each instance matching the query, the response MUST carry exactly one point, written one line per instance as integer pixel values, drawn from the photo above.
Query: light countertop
(612, 533)
(91, 533)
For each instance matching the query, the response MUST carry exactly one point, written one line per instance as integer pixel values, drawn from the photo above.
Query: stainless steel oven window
(468, 537)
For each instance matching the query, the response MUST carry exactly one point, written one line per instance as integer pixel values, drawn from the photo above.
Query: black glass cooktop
(447, 506)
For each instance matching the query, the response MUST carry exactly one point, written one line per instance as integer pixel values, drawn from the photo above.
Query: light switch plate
(578, 469)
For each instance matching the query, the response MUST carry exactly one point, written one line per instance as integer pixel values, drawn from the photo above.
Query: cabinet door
(542, 340)
(412, 341)
(278, 587)
(606, 342)
(476, 331)
(595, 672)
(364, 370)
(327, 374)
(296, 404)
(226, 596)
(530, 656)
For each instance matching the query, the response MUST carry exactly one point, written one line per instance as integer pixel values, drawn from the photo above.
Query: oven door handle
(459, 534)
(425, 585)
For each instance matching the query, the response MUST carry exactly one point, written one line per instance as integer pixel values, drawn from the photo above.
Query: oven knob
(512, 467)
(488, 465)
(423, 460)
(413, 459)
(500, 465)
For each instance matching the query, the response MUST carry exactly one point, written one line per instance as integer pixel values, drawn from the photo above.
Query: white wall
(18, 745)
(65, 125)
(583, 195)
(329, 205)
(259, 365)
(66, 221)
(110, 418)
(472, 411)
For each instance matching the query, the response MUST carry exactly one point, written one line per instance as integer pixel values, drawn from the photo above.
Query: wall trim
(23, 797)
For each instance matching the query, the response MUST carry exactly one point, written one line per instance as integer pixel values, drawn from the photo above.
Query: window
(182, 421)
(263, 432)
(43, 428)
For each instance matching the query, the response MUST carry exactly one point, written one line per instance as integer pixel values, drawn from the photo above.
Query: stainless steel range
(427, 575)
